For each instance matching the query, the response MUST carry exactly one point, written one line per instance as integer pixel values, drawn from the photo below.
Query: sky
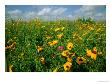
(53, 12)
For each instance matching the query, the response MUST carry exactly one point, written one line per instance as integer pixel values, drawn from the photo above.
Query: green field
(55, 46)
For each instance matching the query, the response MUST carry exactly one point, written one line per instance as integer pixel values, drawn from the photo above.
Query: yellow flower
(69, 46)
(62, 28)
(93, 56)
(10, 68)
(94, 50)
(80, 60)
(89, 52)
(49, 43)
(39, 48)
(48, 37)
(60, 35)
(42, 59)
(72, 54)
(67, 66)
(57, 29)
(65, 53)
(53, 42)
(69, 59)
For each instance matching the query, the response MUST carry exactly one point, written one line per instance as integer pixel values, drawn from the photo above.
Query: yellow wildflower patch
(80, 60)
(60, 36)
(67, 66)
(69, 46)
(39, 48)
(65, 53)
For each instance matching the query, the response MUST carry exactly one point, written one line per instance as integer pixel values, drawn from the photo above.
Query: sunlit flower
(69, 59)
(80, 60)
(62, 28)
(53, 42)
(49, 43)
(60, 36)
(94, 50)
(69, 46)
(93, 56)
(10, 68)
(67, 66)
(48, 37)
(72, 54)
(39, 48)
(42, 59)
(91, 28)
(60, 48)
(57, 29)
(65, 53)
(88, 52)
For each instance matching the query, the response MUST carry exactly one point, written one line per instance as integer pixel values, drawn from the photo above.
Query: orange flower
(93, 56)
(89, 52)
(67, 66)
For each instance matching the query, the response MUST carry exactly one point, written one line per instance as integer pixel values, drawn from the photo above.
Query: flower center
(80, 60)
(70, 47)
(67, 66)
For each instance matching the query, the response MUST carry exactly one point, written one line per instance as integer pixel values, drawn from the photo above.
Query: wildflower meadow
(55, 46)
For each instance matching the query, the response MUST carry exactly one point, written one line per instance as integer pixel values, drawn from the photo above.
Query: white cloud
(59, 11)
(52, 11)
(30, 15)
(48, 13)
(89, 11)
(15, 12)
(88, 8)
(45, 11)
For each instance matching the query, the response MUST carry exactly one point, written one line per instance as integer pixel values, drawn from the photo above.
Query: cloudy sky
(52, 12)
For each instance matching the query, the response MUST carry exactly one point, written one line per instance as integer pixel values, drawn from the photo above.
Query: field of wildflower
(55, 46)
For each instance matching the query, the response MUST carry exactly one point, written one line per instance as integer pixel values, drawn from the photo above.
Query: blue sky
(52, 12)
